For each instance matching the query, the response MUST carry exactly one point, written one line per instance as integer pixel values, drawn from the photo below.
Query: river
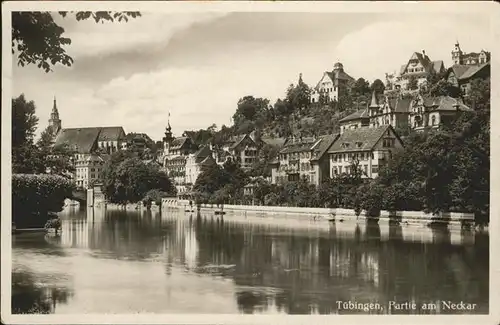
(118, 261)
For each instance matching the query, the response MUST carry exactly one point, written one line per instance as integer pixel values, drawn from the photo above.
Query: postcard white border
(490, 10)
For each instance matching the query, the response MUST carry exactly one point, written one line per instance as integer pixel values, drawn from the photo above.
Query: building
(183, 160)
(461, 76)
(389, 110)
(371, 147)
(55, 122)
(332, 85)
(433, 112)
(382, 110)
(194, 163)
(88, 145)
(360, 118)
(242, 149)
(461, 58)
(303, 158)
(418, 67)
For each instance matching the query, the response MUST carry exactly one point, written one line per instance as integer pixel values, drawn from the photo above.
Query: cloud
(139, 34)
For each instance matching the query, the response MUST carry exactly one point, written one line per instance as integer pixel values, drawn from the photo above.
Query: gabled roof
(303, 145)
(274, 142)
(459, 69)
(359, 114)
(426, 63)
(239, 140)
(178, 143)
(111, 133)
(337, 74)
(400, 105)
(207, 161)
(360, 139)
(444, 103)
(473, 70)
(81, 140)
(202, 153)
(322, 147)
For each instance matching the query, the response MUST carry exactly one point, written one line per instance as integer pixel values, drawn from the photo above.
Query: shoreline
(335, 215)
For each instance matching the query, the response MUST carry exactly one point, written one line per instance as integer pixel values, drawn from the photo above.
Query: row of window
(349, 156)
(296, 155)
(347, 169)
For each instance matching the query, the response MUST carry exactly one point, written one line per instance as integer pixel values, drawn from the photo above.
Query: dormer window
(359, 144)
(345, 145)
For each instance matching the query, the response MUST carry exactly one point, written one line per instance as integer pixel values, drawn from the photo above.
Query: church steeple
(456, 54)
(374, 101)
(55, 121)
(167, 139)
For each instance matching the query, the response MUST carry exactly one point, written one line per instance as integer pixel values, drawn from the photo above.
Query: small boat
(220, 213)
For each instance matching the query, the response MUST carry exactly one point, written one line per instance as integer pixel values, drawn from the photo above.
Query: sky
(197, 65)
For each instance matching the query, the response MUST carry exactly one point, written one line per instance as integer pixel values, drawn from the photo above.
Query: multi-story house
(242, 149)
(433, 112)
(182, 160)
(88, 145)
(461, 58)
(194, 163)
(304, 158)
(418, 67)
(382, 110)
(332, 85)
(461, 76)
(389, 110)
(371, 147)
(467, 67)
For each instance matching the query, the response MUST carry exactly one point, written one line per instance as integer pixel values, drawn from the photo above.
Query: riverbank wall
(333, 214)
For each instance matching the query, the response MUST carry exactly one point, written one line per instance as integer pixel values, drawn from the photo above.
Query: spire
(54, 121)
(374, 101)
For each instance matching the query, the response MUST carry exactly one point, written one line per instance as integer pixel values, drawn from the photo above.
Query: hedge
(34, 196)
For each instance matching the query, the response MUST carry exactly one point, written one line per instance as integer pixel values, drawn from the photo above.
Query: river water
(173, 262)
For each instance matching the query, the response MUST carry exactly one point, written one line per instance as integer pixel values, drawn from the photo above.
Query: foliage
(38, 39)
(298, 96)
(361, 87)
(33, 196)
(154, 195)
(220, 183)
(412, 83)
(250, 114)
(378, 86)
(128, 179)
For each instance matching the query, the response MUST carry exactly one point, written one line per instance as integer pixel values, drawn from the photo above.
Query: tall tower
(456, 54)
(54, 121)
(167, 139)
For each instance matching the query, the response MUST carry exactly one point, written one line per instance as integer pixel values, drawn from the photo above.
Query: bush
(155, 196)
(33, 196)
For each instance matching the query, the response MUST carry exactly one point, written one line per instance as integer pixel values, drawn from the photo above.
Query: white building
(371, 147)
(332, 85)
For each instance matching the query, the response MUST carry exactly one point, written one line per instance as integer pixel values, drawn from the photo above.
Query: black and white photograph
(234, 162)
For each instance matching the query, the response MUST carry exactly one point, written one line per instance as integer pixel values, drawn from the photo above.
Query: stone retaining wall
(326, 213)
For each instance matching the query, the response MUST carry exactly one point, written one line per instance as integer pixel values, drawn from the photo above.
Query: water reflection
(173, 262)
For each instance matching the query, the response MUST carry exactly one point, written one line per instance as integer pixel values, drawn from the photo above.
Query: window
(373, 156)
(433, 120)
(374, 169)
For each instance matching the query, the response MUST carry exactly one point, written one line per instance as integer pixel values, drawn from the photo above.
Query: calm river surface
(129, 262)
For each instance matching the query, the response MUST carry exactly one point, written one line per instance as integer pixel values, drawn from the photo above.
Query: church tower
(54, 121)
(456, 54)
(167, 139)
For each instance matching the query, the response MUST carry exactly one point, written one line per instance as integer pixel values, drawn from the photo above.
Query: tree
(361, 87)
(378, 86)
(25, 155)
(38, 39)
(479, 94)
(128, 179)
(412, 83)
(299, 96)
